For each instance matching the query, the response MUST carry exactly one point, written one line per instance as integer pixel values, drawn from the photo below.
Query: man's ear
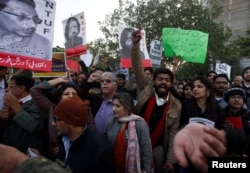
(22, 87)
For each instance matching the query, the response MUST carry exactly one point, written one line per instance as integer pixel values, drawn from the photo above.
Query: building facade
(236, 15)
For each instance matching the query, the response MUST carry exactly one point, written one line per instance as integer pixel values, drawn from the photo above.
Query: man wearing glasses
(18, 23)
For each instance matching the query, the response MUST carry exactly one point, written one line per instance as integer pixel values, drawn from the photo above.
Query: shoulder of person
(110, 120)
(141, 125)
(173, 99)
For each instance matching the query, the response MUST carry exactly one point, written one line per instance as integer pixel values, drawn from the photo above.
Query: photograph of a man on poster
(72, 30)
(18, 23)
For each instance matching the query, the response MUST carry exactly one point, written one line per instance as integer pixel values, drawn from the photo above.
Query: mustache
(163, 86)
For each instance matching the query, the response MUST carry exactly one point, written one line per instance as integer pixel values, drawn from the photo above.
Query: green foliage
(243, 44)
(185, 14)
(58, 49)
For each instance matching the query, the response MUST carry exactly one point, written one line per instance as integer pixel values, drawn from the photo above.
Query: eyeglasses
(236, 97)
(106, 80)
(56, 119)
(22, 17)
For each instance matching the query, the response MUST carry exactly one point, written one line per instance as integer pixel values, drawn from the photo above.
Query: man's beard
(219, 93)
(161, 94)
(247, 80)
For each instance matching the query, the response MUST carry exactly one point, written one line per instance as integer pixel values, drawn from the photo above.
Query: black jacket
(90, 153)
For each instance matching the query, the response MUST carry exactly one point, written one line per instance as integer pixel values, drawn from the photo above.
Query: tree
(185, 14)
(243, 45)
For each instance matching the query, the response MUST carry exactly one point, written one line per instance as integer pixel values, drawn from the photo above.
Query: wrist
(22, 158)
(136, 47)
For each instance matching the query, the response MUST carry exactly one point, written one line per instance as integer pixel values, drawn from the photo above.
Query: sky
(94, 10)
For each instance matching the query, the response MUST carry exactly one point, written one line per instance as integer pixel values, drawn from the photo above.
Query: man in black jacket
(82, 149)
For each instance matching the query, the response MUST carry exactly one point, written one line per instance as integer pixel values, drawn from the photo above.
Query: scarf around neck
(156, 134)
(133, 160)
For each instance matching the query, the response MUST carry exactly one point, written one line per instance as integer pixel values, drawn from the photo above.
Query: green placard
(190, 45)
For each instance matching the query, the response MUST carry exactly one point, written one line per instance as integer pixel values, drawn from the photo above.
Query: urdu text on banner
(189, 45)
(27, 33)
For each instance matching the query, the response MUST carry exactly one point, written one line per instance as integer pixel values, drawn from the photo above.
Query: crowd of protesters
(99, 121)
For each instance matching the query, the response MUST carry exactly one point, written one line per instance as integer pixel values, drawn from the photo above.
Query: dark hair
(85, 73)
(66, 34)
(164, 71)
(27, 82)
(121, 75)
(98, 68)
(209, 86)
(189, 84)
(125, 100)
(244, 70)
(180, 83)
(149, 69)
(28, 2)
(221, 75)
(205, 81)
(62, 88)
(213, 111)
(211, 72)
(124, 36)
(3, 68)
(234, 91)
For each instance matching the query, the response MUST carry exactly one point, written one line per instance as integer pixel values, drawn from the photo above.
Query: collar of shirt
(107, 101)
(218, 99)
(160, 101)
(67, 144)
(2, 85)
(25, 99)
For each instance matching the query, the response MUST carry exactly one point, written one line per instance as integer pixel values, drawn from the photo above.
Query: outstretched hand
(194, 143)
(136, 37)
(10, 158)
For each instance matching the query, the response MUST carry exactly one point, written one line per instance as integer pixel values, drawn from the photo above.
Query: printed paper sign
(58, 67)
(75, 35)
(190, 45)
(223, 68)
(156, 53)
(200, 120)
(125, 45)
(28, 42)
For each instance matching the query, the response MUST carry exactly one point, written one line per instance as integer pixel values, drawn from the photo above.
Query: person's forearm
(55, 82)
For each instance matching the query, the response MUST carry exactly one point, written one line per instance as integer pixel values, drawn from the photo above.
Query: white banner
(75, 30)
(223, 68)
(87, 58)
(125, 45)
(156, 53)
(26, 32)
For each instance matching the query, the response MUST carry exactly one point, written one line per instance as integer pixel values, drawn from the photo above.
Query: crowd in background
(96, 120)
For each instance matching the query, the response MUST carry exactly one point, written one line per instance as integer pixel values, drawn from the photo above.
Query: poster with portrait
(125, 45)
(26, 34)
(75, 35)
